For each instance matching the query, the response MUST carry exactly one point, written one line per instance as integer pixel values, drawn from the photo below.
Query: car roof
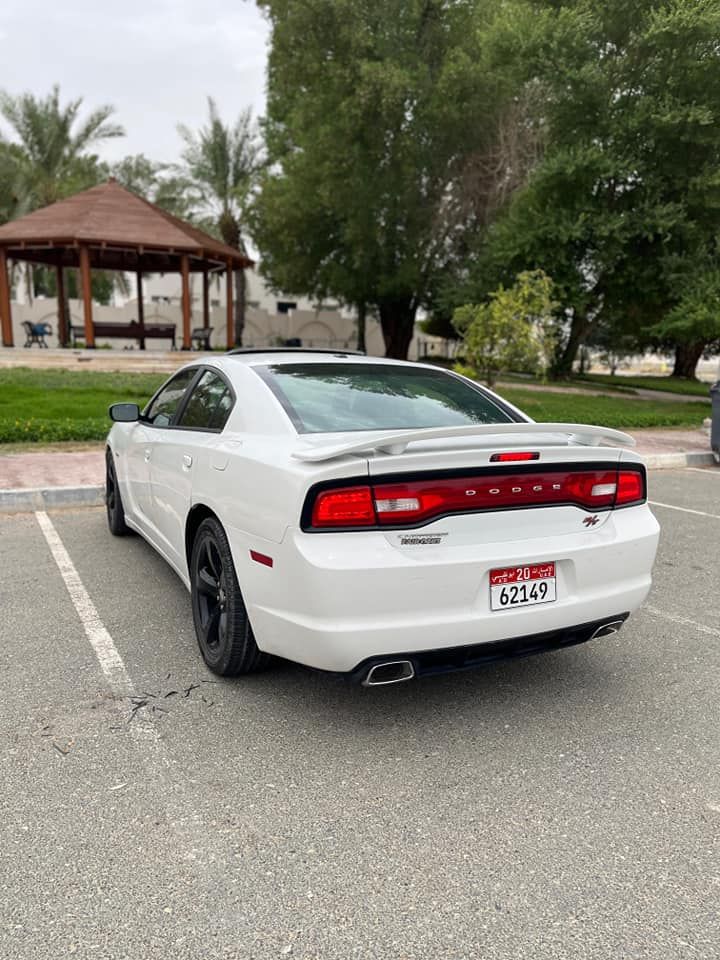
(234, 361)
(254, 357)
(339, 352)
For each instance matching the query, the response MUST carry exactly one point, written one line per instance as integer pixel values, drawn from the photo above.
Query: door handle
(148, 451)
(187, 461)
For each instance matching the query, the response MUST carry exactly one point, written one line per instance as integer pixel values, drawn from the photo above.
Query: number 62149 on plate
(522, 586)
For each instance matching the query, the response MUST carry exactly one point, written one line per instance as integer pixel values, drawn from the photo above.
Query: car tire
(222, 627)
(113, 500)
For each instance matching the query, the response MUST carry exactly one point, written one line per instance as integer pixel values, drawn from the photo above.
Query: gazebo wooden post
(61, 305)
(141, 310)
(206, 298)
(86, 282)
(229, 304)
(186, 306)
(5, 309)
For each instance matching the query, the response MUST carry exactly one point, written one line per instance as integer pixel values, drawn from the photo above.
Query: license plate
(522, 586)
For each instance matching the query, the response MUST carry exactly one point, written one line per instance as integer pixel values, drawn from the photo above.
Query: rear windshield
(333, 397)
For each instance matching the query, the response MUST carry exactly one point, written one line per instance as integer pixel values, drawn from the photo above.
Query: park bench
(36, 333)
(201, 338)
(127, 331)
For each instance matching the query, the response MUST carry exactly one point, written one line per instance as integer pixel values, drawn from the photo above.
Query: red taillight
(630, 488)
(344, 507)
(419, 501)
(514, 457)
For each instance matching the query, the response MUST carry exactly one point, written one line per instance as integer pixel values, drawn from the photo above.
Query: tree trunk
(362, 313)
(687, 356)
(397, 321)
(230, 233)
(579, 328)
(239, 306)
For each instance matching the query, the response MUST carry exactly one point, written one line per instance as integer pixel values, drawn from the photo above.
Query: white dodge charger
(376, 518)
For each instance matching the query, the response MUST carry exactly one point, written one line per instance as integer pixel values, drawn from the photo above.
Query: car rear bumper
(337, 602)
(453, 659)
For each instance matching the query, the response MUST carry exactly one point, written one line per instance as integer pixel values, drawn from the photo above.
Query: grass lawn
(51, 406)
(622, 412)
(43, 406)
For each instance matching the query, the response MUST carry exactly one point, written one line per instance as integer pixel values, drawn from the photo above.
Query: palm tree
(162, 184)
(222, 162)
(48, 158)
(10, 201)
(53, 159)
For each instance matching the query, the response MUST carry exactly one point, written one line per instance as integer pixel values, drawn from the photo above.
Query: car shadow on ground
(524, 691)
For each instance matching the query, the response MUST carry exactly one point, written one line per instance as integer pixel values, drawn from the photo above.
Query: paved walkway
(106, 361)
(652, 441)
(27, 471)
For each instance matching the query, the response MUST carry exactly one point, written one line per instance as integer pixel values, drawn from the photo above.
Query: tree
(384, 149)
(104, 283)
(162, 184)
(11, 202)
(513, 331)
(222, 163)
(53, 159)
(50, 157)
(693, 324)
(626, 197)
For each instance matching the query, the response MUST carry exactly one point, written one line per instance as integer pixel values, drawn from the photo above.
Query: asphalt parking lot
(561, 806)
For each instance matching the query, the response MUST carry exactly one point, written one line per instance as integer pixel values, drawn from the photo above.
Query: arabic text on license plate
(522, 586)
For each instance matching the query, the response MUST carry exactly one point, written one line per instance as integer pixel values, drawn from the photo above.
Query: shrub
(513, 331)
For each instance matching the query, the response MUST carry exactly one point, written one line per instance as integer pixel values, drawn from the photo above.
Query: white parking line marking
(709, 472)
(682, 621)
(109, 659)
(671, 506)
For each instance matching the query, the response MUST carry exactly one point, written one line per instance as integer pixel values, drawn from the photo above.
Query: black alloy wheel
(113, 500)
(222, 627)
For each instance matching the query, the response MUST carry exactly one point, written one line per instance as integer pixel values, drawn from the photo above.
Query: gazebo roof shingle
(110, 228)
(122, 230)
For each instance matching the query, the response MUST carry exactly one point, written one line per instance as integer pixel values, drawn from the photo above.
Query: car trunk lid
(488, 486)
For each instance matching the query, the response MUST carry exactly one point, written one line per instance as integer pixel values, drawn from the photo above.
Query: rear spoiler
(487, 434)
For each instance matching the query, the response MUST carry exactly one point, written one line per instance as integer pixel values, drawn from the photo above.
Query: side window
(209, 405)
(163, 408)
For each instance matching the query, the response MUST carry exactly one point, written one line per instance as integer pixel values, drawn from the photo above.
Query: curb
(21, 501)
(666, 461)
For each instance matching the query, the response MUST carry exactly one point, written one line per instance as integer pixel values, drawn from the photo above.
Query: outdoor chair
(36, 333)
(201, 338)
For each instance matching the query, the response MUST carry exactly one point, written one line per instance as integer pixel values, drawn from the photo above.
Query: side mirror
(124, 412)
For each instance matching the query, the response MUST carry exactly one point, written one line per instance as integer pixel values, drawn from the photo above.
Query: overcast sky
(156, 61)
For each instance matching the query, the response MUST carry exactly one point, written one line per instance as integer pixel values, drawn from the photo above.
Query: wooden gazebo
(111, 228)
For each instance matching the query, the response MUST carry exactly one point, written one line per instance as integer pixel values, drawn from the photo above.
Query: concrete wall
(168, 287)
(324, 326)
(320, 328)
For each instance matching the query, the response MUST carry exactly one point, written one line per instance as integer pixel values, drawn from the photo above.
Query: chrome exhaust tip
(607, 629)
(394, 671)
